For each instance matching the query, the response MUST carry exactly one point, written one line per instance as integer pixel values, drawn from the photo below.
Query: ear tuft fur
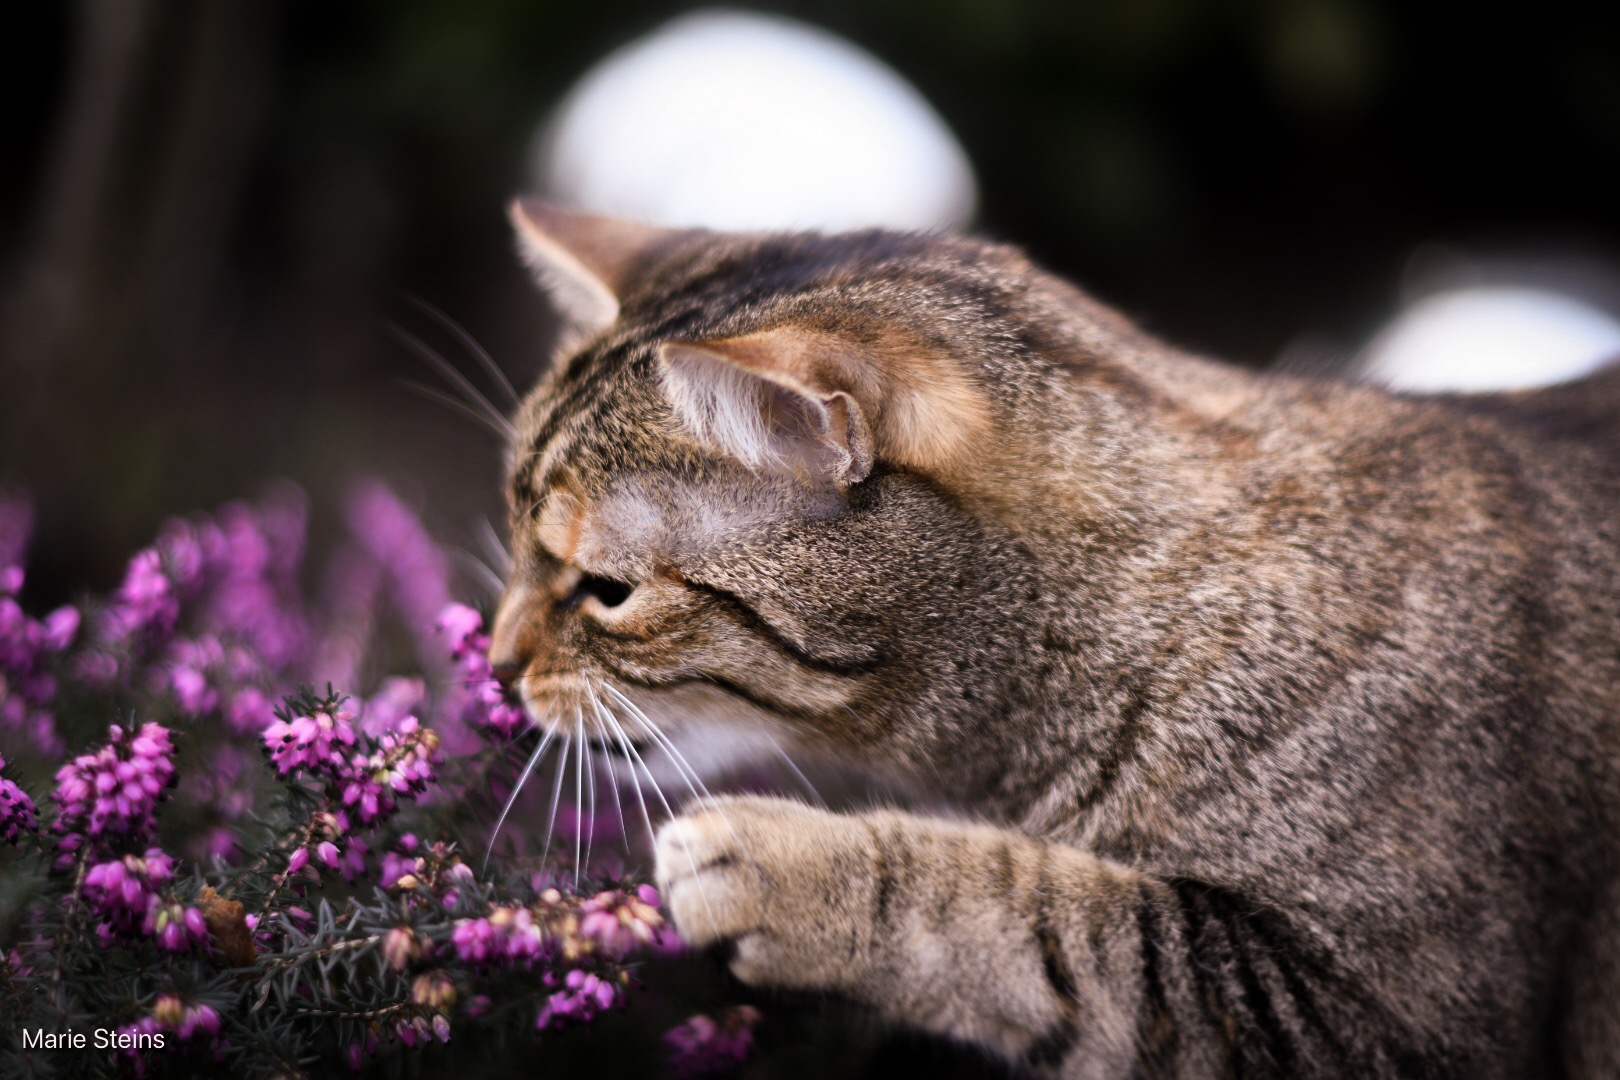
(819, 407)
(769, 422)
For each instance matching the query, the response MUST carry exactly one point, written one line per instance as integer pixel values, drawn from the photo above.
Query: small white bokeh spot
(1491, 338)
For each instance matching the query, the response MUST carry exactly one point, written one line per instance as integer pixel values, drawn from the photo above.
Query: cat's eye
(610, 592)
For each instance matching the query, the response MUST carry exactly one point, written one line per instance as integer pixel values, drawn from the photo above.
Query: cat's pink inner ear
(823, 405)
(585, 262)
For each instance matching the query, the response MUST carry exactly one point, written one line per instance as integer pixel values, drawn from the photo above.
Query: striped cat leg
(1046, 954)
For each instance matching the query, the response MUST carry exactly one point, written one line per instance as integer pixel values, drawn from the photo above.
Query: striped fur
(1288, 707)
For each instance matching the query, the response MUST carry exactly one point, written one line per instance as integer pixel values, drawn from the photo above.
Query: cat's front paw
(786, 884)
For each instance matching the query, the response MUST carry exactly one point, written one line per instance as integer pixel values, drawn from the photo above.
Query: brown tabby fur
(1290, 705)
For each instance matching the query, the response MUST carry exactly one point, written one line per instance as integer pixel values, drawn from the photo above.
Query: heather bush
(236, 845)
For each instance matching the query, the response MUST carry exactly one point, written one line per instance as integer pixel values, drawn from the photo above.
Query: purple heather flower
(462, 627)
(168, 1010)
(61, 626)
(169, 1013)
(184, 553)
(139, 1034)
(96, 667)
(115, 790)
(413, 1031)
(199, 1019)
(17, 811)
(175, 926)
(351, 859)
(122, 890)
(394, 701)
(402, 765)
(253, 565)
(356, 1053)
(250, 711)
(311, 742)
(126, 893)
(619, 921)
(218, 843)
(485, 705)
(417, 569)
(16, 524)
(26, 688)
(507, 936)
(145, 604)
(583, 997)
(703, 1046)
(191, 689)
(396, 865)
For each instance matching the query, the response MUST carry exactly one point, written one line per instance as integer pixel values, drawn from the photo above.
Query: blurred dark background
(208, 209)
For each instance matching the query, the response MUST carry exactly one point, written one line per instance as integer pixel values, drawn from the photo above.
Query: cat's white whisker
(794, 768)
(683, 768)
(481, 570)
(584, 824)
(635, 784)
(609, 724)
(517, 788)
(500, 556)
(501, 430)
(580, 748)
(469, 343)
(556, 795)
(658, 791)
(616, 732)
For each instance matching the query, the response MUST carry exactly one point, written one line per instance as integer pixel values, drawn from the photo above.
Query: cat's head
(788, 482)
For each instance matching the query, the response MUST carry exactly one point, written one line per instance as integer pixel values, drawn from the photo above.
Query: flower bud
(399, 947)
(434, 990)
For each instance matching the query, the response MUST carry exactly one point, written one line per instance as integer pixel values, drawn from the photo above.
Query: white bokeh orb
(732, 120)
(1491, 338)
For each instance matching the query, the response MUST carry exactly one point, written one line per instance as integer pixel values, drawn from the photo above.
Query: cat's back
(1582, 413)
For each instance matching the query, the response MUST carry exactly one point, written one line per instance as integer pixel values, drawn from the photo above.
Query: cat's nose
(514, 639)
(506, 671)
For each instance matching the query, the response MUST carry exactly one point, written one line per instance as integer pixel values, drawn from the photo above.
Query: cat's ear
(812, 404)
(584, 262)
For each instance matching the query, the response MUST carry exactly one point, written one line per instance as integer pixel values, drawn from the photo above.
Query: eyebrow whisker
(447, 371)
(502, 429)
(468, 342)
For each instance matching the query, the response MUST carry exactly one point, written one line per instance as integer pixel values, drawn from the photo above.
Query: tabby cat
(1280, 713)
